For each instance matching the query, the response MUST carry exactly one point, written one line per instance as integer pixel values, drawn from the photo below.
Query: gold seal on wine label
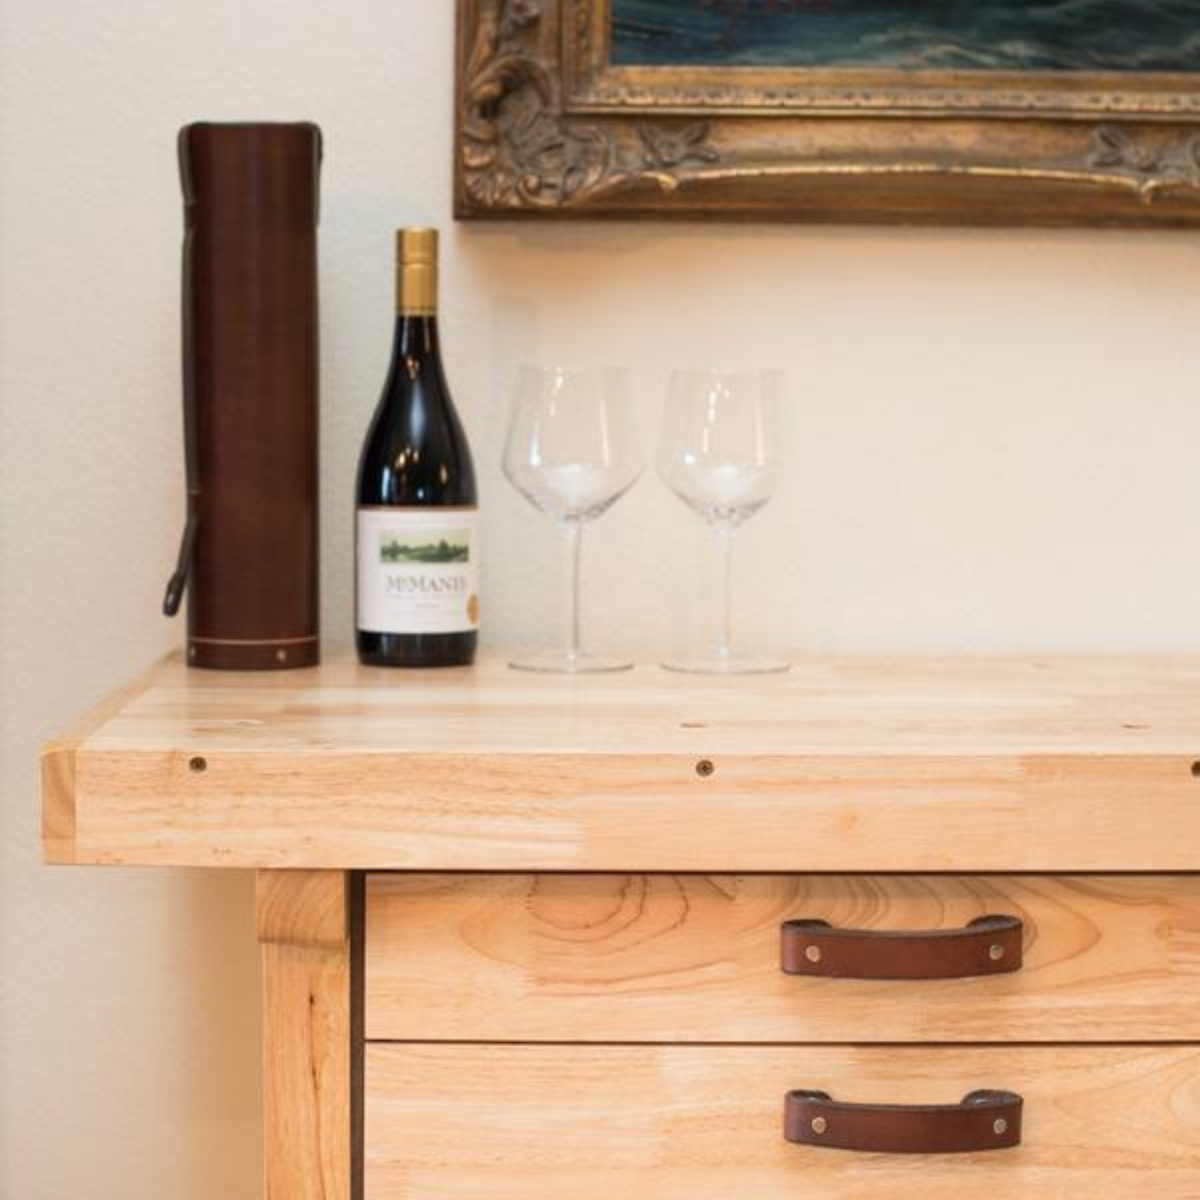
(416, 272)
(473, 610)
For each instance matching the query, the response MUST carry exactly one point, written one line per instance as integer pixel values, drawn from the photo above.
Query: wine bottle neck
(416, 336)
(416, 289)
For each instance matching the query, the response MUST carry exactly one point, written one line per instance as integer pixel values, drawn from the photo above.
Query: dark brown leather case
(250, 547)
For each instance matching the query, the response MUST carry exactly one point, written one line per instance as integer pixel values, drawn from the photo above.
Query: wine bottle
(417, 577)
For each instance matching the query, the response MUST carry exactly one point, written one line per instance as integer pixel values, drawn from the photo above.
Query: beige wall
(994, 444)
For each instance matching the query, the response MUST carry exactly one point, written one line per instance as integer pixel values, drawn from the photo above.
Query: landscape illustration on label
(454, 546)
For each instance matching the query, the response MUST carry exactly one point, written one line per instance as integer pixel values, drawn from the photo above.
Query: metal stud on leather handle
(991, 945)
(984, 1120)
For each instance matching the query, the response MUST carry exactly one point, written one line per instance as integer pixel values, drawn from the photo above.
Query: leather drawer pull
(988, 946)
(983, 1121)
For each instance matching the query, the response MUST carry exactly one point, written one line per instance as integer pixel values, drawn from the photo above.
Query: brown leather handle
(985, 1120)
(987, 946)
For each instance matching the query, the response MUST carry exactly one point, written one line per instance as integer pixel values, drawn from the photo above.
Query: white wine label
(418, 570)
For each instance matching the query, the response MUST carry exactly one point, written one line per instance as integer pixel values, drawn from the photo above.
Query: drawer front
(692, 958)
(485, 1122)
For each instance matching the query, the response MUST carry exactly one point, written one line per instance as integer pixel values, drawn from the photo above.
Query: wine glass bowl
(568, 491)
(721, 493)
(572, 451)
(719, 453)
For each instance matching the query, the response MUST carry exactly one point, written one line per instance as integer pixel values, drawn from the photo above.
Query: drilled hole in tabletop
(198, 764)
(1196, 768)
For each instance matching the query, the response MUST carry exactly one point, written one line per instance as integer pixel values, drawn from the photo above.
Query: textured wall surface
(992, 441)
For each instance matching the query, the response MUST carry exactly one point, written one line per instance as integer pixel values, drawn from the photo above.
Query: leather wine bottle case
(249, 554)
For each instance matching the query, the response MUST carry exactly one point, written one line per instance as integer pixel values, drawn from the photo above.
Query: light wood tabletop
(840, 764)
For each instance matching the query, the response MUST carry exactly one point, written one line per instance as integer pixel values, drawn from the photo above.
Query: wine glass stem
(725, 545)
(574, 533)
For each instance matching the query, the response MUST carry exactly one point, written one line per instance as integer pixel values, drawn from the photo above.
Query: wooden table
(522, 934)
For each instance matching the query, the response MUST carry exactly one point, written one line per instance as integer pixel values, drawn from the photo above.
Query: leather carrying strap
(987, 946)
(985, 1120)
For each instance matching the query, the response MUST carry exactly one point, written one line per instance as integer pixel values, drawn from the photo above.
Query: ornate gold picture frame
(549, 124)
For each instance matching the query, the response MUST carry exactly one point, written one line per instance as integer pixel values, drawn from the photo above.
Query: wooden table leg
(304, 927)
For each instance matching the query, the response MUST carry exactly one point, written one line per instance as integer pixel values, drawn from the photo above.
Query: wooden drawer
(705, 1122)
(696, 958)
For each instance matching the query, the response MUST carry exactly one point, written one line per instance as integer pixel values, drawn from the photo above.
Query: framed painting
(1051, 112)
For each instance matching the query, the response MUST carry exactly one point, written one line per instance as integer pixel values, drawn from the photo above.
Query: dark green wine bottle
(417, 549)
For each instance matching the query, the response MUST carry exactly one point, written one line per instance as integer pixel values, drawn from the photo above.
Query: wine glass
(572, 451)
(719, 453)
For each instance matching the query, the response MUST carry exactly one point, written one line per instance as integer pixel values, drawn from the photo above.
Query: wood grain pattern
(658, 1123)
(696, 958)
(1051, 764)
(925, 706)
(306, 1037)
(303, 908)
(58, 770)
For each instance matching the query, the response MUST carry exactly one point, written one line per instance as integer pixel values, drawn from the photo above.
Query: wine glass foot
(727, 664)
(561, 662)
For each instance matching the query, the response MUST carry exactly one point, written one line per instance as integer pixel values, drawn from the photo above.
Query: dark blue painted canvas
(1039, 35)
